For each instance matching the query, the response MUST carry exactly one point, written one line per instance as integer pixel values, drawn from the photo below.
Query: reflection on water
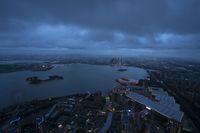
(77, 78)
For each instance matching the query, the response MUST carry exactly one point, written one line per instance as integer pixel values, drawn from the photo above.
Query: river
(77, 78)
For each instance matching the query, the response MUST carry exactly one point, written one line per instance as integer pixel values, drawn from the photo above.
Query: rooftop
(163, 106)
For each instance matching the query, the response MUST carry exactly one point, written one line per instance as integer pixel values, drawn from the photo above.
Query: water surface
(77, 78)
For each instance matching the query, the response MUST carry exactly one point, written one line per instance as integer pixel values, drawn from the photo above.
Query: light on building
(148, 108)
(60, 126)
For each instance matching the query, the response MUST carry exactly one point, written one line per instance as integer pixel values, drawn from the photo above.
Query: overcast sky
(106, 26)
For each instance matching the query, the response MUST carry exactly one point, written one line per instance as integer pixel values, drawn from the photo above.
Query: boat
(122, 69)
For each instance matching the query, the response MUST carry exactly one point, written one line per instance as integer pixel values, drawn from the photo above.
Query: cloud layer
(100, 24)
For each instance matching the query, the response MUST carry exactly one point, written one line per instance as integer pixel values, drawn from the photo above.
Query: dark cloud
(100, 24)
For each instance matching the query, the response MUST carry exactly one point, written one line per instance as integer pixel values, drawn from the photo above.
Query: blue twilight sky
(154, 27)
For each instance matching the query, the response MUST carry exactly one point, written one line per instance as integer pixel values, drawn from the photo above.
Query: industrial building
(162, 106)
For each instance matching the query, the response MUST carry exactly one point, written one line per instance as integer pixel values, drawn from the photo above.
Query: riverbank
(16, 67)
